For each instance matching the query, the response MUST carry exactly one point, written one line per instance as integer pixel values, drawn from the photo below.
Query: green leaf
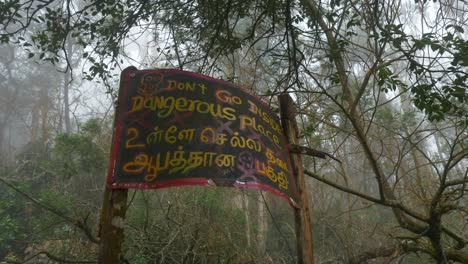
(457, 28)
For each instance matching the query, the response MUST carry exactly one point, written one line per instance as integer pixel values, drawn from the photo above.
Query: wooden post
(114, 207)
(305, 253)
(111, 229)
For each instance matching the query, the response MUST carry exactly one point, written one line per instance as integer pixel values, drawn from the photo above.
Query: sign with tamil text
(177, 128)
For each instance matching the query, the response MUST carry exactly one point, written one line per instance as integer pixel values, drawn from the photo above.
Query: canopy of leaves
(336, 57)
(209, 30)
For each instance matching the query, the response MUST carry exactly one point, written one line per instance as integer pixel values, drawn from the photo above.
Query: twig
(310, 152)
(77, 223)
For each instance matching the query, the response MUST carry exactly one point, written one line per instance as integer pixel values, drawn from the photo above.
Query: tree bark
(111, 230)
(66, 87)
(301, 213)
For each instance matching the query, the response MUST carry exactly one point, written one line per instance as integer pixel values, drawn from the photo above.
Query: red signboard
(177, 128)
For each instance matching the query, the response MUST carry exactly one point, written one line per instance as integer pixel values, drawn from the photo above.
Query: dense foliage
(381, 85)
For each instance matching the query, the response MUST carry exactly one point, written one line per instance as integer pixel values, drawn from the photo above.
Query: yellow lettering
(154, 166)
(178, 161)
(155, 136)
(137, 165)
(209, 135)
(203, 87)
(195, 160)
(137, 103)
(181, 104)
(201, 110)
(282, 180)
(133, 134)
(246, 121)
(169, 105)
(190, 87)
(265, 117)
(171, 85)
(226, 97)
(252, 107)
(169, 138)
(165, 106)
(186, 134)
(208, 159)
(229, 113)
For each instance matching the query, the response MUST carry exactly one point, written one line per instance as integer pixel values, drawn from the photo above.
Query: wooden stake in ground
(305, 253)
(114, 207)
(111, 229)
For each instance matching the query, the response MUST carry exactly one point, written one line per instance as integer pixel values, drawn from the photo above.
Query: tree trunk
(248, 231)
(66, 88)
(44, 102)
(262, 224)
(301, 213)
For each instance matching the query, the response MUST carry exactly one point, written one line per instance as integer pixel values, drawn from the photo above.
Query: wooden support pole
(111, 229)
(305, 252)
(114, 207)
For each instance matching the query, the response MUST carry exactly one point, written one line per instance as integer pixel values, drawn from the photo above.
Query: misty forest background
(381, 85)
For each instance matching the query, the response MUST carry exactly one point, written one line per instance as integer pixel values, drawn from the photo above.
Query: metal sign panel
(177, 128)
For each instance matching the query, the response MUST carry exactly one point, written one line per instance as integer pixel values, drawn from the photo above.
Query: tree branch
(388, 203)
(77, 223)
(52, 257)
